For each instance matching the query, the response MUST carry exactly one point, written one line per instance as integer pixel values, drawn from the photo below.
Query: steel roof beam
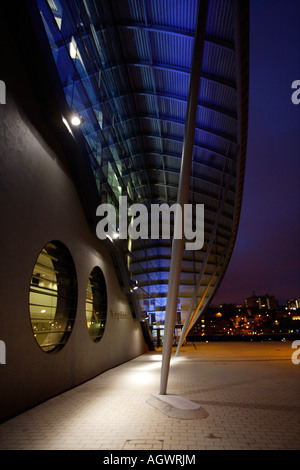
(168, 67)
(156, 28)
(172, 121)
(175, 185)
(197, 127)
(156, 99)
(171, 138)
(178, 157)
(164, 95)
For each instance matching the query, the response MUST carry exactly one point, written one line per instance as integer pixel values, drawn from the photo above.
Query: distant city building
(230, 320)
(266, 301)
(293, 304)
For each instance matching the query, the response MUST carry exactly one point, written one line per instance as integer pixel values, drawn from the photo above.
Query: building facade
(267, 302)
(72, 304)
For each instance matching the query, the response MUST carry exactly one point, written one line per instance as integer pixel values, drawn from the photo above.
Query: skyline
(266, 257)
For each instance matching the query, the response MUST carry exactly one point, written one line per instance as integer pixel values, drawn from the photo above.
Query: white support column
(183, 191)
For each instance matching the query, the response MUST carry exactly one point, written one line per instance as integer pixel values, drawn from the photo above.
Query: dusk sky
(266, 258)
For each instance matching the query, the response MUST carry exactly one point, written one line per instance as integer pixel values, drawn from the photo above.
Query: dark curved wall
(40, 202)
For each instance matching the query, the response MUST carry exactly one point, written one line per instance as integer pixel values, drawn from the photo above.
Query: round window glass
(53, 297)
(96, 304)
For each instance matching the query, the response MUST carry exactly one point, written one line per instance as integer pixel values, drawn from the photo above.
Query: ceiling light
(76, 120)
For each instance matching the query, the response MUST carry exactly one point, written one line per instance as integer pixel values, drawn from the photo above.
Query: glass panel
(53, 297)
(96, 304)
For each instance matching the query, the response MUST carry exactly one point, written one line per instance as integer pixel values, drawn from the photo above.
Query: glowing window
(53, 297)
(96, 304)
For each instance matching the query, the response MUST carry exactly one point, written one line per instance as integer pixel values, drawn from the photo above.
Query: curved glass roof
(125, 67)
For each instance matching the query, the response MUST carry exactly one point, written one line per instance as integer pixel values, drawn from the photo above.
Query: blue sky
(266, 258)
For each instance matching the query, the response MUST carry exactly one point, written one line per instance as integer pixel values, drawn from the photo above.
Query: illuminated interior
(53, 297)
(96, 304)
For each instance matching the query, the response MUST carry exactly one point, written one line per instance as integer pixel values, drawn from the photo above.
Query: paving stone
(250, 391)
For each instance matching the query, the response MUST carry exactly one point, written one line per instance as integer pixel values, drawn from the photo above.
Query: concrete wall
(39, 203)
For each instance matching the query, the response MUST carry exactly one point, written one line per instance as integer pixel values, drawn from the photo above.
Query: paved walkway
(251, 392)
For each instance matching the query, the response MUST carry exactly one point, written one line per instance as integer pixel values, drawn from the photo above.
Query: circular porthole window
(53, 297)
(96, 304)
